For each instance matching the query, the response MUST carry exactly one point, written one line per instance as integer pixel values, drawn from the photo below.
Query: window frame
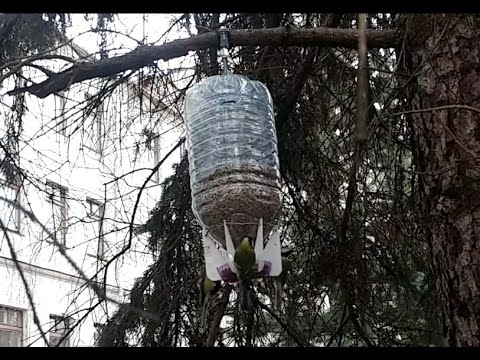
(99, 217)
(55, 320)
(99, 125)
(152, 145)
(16, 186)
(95, 130)
(62, 192)
(156, 156)
(15, 328)
(60, 105)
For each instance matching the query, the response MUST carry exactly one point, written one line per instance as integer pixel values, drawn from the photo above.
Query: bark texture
(442, 56)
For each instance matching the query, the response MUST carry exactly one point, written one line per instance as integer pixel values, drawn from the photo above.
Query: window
(96, 211)
(59, 328)
(156, 156)
(94, 118)
(60, 102)
(153, 146)
(11, 215)
(57, 198)
(99, 133)
(11, 327)
(131, 102)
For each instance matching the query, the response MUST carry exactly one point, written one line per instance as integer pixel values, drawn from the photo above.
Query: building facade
(77, 177)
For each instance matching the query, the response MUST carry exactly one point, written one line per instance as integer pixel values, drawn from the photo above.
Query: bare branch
(96, 30)
(36, 320)
(132, 227)
(17, 65)
(94, 285)
(212, 335)
(287, 328)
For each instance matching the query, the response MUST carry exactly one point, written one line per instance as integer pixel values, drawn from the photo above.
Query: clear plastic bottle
(233, 156)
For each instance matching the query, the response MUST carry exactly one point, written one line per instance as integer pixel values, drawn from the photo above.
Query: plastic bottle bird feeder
(233, 158)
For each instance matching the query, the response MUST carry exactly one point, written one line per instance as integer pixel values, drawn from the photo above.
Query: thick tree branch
(362, 83)
(146, 55)
(28, 62)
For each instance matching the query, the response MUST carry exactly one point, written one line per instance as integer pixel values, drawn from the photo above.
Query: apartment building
(76, 180)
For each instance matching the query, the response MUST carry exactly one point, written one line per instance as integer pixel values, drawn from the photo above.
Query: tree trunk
(442, 57)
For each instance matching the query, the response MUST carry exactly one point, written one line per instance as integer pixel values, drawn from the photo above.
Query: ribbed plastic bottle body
(233, 156)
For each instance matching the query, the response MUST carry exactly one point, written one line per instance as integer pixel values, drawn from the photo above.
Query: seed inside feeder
(240, 196)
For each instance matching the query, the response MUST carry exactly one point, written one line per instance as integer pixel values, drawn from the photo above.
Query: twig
(212, 335)
(96, 30)
(361, 139)
(444, 107)
(70, 330)
(131, 227)
(353, 318)
(28, 62)
(445, 169)
(343, 322)
(282, 324)
(24, 281)
(90, 282)
(216, 25)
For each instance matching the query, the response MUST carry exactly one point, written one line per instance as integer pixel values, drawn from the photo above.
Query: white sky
(131, 24)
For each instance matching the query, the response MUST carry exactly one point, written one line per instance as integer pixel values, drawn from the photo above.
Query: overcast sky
(131, 24)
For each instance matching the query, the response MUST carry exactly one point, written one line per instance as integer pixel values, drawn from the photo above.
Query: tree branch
(28, 62)
(285, 326)
(212, 335)
(354, 320)
(362, 82)
(146, 55)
